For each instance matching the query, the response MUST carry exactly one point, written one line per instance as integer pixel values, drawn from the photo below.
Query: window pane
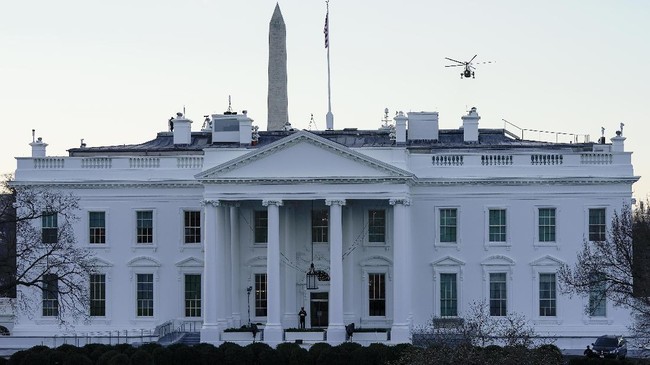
(497, 223)
(193, 295)
(498, 297)
(261, 226)
(377, 226)
(192, 220)
(144, 226)
(448, 295)
(547, 295)
(547, 225)
(145, 295)
(597, 225)
(97, 295)
(50, 230)
(50, 295)
(448, 225)
(97, 227)
(377, 295)
(320, 225)
(260, 295)
(597, 297)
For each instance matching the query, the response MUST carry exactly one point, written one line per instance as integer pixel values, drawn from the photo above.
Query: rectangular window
(261, 226)
(597, 297)
(377, 295)
(546, 224)
(597, 224)
(377, 226)
(145, 295)
(260, 295)
(144, 230)
(498, 297)
(97, 227)
(192, 224)
(193, 295)
(497, 225)
(320, 225)
(50, 230)
(448, 296)
(448, 225)
(547, 295)
(97, 295)
(50, 295)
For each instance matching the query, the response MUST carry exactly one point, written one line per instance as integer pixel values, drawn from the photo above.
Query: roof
(498, 139)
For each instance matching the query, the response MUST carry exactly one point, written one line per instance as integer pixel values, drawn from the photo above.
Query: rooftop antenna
(329, 117)
(229, 105)
(386, 121)
(622, 125)
(184, 110)
(33, 135)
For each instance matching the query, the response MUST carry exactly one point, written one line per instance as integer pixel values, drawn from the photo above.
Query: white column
(336, 328)
(210, 331)
(400, 332)
(273, 331)
(222, 267)
(227, 257)
(236, 288)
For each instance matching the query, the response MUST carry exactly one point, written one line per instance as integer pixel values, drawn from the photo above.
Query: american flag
(326, 30)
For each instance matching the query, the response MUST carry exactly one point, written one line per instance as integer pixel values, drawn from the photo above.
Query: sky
(113, 72)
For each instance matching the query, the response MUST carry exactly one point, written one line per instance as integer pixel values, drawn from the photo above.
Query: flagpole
(329, 118)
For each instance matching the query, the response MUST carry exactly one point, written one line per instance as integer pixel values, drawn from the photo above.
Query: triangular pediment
(99, 262)
(547, 260)
(190, 262)
(143, 261)
(303, 155)
(498, 260)
(448, 261)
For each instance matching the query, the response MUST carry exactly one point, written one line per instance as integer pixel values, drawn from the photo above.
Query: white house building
(220, 226)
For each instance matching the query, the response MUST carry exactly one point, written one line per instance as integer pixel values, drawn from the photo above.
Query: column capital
(403, 201)
(212, 202)
(276, 202)
(331, 202)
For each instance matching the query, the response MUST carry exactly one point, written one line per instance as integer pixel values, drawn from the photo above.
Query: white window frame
(182, 227)
(586, 215)
(376, 265)
(134, 229)
(105, 268)
(437, 229)
(388, 232)
(191, 266)
(546, 265)
(86, 223)
(252, 214)
(145, 265)
(486, 239)
(448, 265)
(498, 264)
(536, 241)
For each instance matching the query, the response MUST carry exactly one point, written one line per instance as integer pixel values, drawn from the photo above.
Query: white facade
(408, 232)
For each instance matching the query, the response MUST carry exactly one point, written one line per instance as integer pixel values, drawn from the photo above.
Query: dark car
(610, 346)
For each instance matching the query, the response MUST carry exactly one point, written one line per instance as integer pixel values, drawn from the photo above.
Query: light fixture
(312, 276)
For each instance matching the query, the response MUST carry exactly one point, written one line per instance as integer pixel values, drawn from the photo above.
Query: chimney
(182, 129)
(38, 146)
(618, 142)
(423, 126)
(245, 129)
(470, 126)
(400, 128)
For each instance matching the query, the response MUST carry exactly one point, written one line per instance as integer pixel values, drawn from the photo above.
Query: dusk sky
(113, 72)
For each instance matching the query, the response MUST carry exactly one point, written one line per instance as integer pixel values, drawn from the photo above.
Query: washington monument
(277, 98)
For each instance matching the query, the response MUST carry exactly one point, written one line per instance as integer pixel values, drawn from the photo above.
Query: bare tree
(616, 268)
(46, 262)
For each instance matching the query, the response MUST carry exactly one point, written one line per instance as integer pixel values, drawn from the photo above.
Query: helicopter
(469, 68)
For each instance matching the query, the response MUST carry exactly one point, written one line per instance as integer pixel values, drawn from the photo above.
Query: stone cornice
(335, 201)
(529, 181)
(276, 202)
(310, 180)
(403, 201)
(111, 184)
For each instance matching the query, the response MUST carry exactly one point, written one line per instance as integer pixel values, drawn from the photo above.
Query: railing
(499, 160)
(596, 158)
(132, 336)
(144, 162)
(447, 160)
(49, 162)
(189, 162)
(96, 163)
(546, 159)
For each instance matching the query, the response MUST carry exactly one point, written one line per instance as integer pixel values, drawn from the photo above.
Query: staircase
(190, 338)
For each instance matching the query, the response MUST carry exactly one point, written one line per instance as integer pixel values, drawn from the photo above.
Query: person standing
(302, 314)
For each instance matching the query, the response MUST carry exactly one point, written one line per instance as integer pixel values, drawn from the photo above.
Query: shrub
(36, 358)
(316, 349)
(74, 358)
(185, 355)
(17, 357)
(141, 357)
(292, 354)
(119, 359)
(106, 357)
(162, 356)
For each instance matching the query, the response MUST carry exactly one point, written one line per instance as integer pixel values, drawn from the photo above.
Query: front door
(318, 309)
